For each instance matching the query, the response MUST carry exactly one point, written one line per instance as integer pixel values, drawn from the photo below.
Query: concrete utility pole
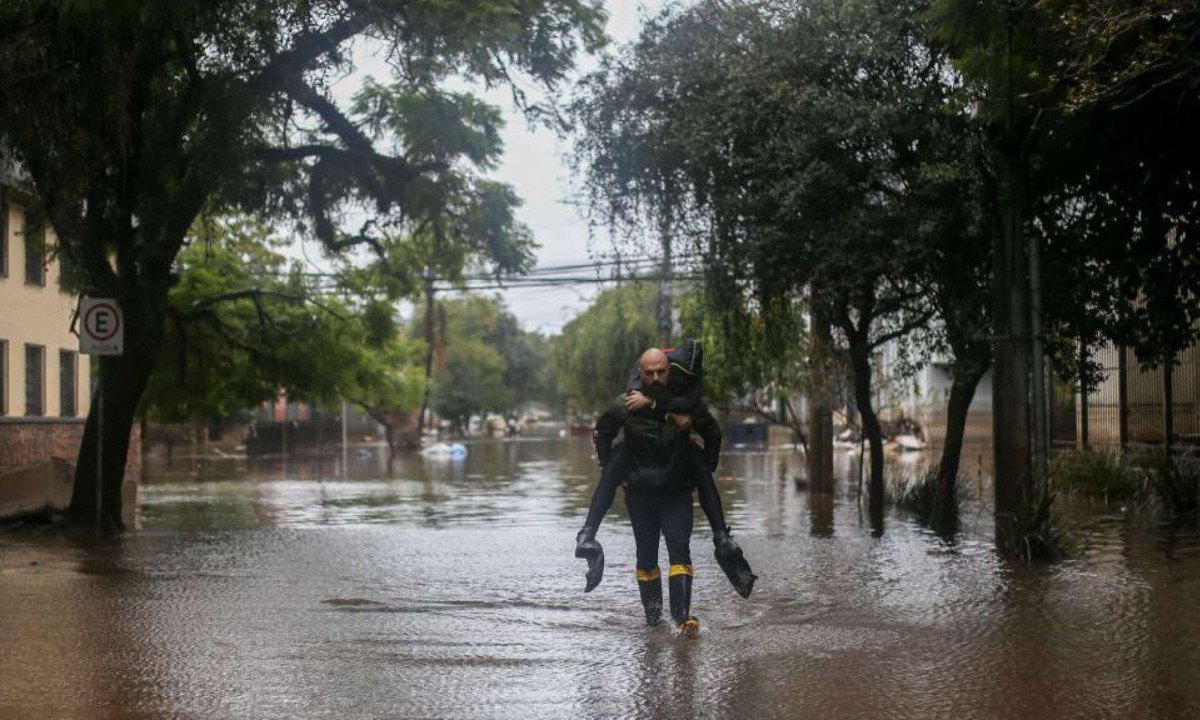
(428, 352)
(665, 324)
(345, 440)
(1011, 314)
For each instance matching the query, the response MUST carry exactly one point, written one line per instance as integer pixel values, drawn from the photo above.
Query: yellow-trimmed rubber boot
(650, 588)
(679, 581)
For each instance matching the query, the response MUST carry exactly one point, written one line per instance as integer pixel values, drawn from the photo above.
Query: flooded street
(449, 590)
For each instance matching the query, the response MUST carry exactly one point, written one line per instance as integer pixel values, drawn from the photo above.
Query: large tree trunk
(1010, 391)
(819, 443)
(141, 288)
(860, 362)
(122, 381)
(962, 391)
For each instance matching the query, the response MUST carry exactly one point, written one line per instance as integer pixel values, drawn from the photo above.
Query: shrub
(1034, 534)
(1096, 473)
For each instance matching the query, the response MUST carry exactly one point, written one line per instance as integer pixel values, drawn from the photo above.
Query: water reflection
(447, 589)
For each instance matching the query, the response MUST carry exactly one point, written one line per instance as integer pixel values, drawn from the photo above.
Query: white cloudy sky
(534, 165)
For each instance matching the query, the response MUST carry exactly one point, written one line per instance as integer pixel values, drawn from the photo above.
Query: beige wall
(37, 315)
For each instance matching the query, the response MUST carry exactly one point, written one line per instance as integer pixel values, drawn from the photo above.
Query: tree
(388, 382)
(482, 360)
(131, 118)
(999, 48)
(1135, 64)
(597, 349)
(1088, 111)
(801, 147)
(470, 382)
(242, 325)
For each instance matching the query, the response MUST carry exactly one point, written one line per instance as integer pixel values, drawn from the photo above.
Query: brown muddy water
(448, 590)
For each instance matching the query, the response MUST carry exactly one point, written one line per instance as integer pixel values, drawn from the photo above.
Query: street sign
(101, 327)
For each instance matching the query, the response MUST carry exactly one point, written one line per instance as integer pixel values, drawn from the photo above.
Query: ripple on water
(449, 590)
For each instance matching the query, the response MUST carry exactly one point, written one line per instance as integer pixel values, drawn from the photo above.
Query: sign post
(102, 332)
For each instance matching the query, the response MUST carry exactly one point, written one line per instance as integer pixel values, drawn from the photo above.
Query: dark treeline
(999, 182)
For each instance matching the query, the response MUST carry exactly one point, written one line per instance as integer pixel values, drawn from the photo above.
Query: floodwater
(448, 590)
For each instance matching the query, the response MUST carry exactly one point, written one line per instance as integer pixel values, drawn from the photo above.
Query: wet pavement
(448, 590)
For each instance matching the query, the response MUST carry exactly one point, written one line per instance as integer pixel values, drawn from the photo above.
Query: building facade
(45, 383)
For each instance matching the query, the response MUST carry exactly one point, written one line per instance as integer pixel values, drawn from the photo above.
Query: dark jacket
(652, 439)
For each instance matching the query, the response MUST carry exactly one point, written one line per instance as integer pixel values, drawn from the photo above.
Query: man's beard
(656, 390)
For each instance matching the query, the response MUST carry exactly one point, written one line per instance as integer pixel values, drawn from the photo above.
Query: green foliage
(1120, 57)
(1096, 473)
(795, 142)
(596, 351)
(470, 381)
(243, 326)
(477, 337)
(818, 157)
(1096, 110)
(740, 355)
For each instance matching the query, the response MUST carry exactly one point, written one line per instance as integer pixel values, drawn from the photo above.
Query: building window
(66, 383)
(3, 377)
(35, 375)
(35, 249)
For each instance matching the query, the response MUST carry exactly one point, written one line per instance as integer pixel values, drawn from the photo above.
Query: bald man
(660, 467)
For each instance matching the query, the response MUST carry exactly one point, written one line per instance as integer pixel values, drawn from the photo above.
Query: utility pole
(1012, 316)
(665, 324)
(345, 440)
(429, 350)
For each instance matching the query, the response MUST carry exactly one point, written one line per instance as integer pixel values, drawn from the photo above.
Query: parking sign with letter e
(101, 327)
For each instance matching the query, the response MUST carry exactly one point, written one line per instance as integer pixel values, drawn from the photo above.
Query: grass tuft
(1175, 484)
(920, 497)
(1098, 474)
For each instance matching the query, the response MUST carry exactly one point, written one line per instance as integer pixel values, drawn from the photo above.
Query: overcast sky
(534, 165)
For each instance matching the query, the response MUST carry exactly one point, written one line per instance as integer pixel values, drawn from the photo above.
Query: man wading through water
(659, 466)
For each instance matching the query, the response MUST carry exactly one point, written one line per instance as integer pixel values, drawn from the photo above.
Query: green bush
(1096, 473)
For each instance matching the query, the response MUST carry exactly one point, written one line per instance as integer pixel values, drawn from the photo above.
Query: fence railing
(1127, 409)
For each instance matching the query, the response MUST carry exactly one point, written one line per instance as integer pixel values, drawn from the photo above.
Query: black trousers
(666, 512)
(690, 469)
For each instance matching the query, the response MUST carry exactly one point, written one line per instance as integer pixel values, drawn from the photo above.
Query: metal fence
(1127, 408)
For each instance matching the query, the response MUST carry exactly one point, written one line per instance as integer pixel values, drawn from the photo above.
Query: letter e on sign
(101, 327)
